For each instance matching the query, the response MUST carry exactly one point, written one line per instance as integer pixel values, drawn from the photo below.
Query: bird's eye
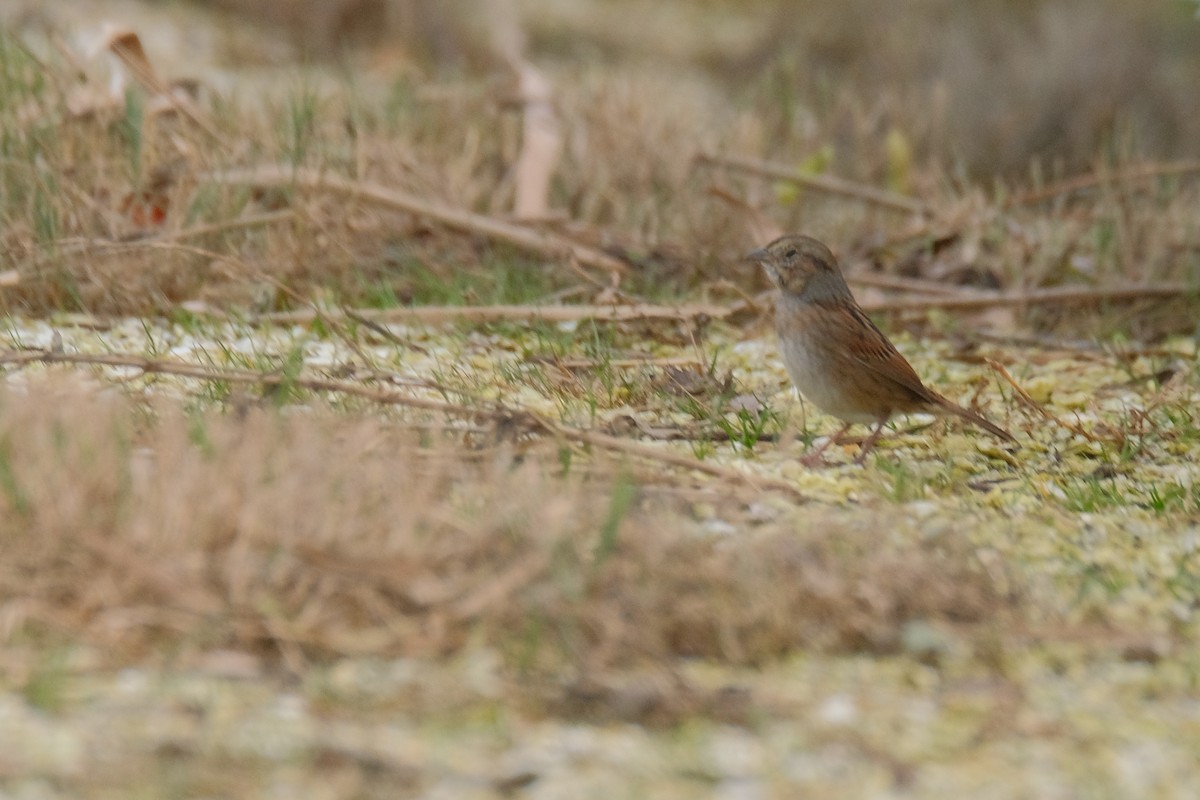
(790, 254)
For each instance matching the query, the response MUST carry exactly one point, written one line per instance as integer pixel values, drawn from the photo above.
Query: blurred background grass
(962, 107)
(989, 87)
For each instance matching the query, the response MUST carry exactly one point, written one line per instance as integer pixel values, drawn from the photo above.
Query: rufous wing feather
(872, 349)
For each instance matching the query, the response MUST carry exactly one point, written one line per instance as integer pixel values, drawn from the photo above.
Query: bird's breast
(826, 379)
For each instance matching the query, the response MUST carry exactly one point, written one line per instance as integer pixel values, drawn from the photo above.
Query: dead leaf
(126, 45)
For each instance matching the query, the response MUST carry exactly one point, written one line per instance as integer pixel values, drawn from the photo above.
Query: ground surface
(1069, 670)
(270, 531)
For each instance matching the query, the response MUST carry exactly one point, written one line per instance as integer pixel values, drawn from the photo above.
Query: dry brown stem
(544, 244)
(434, 315)
(236, 224)
(1029, 402)
(901, 284)
(509, 417)
(1055, 294)
(663, 456)
(952, 300)
(1094, 180)
(824, 183)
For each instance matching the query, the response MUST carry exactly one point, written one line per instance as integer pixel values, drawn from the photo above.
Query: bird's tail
(991, 427)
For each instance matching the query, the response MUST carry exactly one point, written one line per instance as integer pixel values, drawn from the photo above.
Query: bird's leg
(869, 442)
(814, 458)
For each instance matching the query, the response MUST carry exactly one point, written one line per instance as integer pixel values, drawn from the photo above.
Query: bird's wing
(875, 351)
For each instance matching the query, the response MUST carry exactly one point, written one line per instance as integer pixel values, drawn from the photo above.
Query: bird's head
(791, 262)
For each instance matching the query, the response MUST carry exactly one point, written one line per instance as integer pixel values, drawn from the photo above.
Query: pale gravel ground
(848, 727)
(1058, 720)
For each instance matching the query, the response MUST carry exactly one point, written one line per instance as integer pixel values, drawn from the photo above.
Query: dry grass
(993, 87)
(405, 503)
(306, 535)
(628, 181)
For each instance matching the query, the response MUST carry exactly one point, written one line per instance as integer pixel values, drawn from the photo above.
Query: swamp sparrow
(836, 356)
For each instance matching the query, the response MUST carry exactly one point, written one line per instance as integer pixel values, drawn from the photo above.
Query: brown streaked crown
(791, 261)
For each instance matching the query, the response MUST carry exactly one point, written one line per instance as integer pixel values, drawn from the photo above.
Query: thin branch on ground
(1029, 402)
(617, 363)
(375, 327)
(824, 183)
(1054, 294)
(508, 416)
(1094, 180)
(540, 243)
(762, 227)
(237, 223)
(107, 247)
(607, 442)
(960, 301)
(899, 283)
(432, 315)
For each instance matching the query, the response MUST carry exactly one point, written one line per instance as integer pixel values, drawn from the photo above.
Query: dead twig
(616, 363)
(542, 243)
(232, 375)
(640, 450)
(1074, 295)
(374, 326)
(108, 247)
(761, 226)
(1093, 180)
(433, 315)
(824, 183)
(957, 301)
(899, 283)
(238, 223)
(529, 419)
(1029, 402)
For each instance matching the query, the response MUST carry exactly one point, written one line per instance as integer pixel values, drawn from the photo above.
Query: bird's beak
(756, 257)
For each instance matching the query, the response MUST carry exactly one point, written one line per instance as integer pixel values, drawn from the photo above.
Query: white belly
(820, 382)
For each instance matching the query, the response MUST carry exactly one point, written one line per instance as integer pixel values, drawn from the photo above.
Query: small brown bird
(836, 356)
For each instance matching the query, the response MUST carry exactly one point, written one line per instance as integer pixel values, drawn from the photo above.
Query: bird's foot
(815, 460)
